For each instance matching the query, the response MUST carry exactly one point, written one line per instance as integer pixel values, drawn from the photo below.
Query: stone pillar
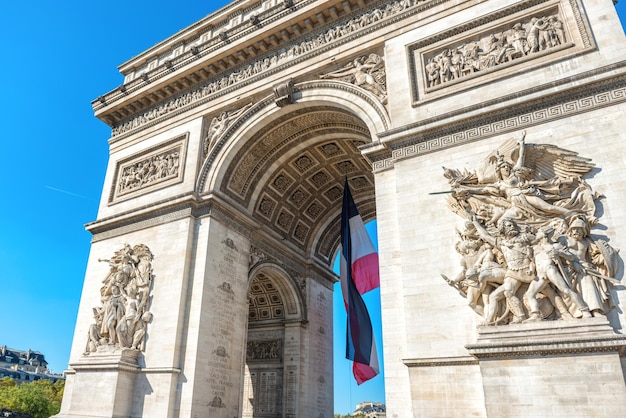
(292, 368)
(552, 368)
(108, 376)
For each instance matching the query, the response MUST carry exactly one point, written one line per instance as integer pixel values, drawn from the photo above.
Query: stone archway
(274, 318)
(277, 163)
(284, 168)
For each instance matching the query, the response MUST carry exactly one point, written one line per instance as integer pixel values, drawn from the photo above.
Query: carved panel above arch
(526, 35)
(152, 169)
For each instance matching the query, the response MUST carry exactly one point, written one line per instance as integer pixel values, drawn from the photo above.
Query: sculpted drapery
(527, 252)
(122, 319)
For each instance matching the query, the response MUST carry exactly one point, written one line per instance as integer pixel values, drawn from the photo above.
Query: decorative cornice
(574, 100)
(190, 206)
(442, 361)
(315, 42)
(616, 344)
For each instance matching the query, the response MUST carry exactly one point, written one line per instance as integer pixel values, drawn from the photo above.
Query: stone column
(292, 368)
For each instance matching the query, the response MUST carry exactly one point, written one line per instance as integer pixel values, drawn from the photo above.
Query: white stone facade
(230, 141)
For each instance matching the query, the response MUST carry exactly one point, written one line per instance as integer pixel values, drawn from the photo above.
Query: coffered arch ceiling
(290, 176)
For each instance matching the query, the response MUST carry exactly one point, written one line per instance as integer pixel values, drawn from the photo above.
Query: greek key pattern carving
(345, 31)
(491, 128)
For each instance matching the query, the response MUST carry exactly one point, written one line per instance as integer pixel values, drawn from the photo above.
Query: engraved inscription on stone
(220, 376)
(321, 347)
(291, 390)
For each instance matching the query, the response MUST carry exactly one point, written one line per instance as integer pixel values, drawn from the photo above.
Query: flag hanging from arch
(359, 274)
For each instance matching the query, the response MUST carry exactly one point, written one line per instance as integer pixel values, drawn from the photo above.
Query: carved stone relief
(256, 256)
(527, 251)
(367, 72)
(218, 126)
(264, 350)
(316, 43)
(525, 38)
(520, 34)
(122, 319)
(153, 169)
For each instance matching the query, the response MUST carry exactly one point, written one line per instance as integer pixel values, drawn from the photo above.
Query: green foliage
(40, 399)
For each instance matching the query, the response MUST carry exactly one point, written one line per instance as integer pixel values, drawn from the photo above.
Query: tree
(40, 399)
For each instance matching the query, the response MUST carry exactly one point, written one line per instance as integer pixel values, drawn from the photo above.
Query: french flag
(359, 274)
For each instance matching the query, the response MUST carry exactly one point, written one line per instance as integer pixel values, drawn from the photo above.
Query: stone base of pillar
(552, 368)
(102, 384)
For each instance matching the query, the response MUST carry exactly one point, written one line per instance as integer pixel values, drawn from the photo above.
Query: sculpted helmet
(579, 222)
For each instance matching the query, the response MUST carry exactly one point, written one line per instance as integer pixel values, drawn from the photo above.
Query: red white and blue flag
(359, 274)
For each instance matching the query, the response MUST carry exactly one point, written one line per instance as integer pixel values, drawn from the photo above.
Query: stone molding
(441, 361)
(125, 226)
(556, 106)
(267, 102)
(113, 360)
(547, 338)
(188, 206)
(317, 42)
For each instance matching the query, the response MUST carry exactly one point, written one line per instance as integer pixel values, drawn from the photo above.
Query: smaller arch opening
(272, 304)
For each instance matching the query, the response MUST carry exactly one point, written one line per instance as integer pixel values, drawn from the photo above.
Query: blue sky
(57, 58)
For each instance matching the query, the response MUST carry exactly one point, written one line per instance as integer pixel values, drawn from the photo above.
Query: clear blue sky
(56, 58)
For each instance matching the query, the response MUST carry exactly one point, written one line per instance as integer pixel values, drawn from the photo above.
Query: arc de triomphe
(209, 284)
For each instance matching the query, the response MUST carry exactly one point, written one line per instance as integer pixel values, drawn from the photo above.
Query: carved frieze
(122, 319)
(342, 31)
(525, 39)
(528, 34)
(527, 248)
(264, 350)
(153, 169)
(509, 119)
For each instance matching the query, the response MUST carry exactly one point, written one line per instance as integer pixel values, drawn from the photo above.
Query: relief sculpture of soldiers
(527, 248)
(122, 319)
(523, 39)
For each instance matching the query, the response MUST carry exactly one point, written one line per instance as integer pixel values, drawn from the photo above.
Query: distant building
(371, 409)
(25, 366)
